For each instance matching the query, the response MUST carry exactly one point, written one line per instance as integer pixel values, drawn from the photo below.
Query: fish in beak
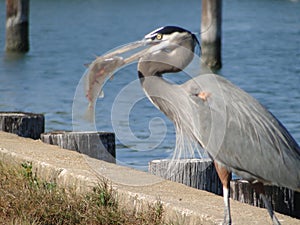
(103, 67)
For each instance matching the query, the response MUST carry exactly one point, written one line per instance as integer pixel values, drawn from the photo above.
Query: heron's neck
(155, 87)
(163, 94)
(173, 100)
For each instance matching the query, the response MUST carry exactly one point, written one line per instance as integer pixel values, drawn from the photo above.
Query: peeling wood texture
(17, 26)
(197, 173)
(23, 124)
(99, 145)
(201, 174)
(283, 200)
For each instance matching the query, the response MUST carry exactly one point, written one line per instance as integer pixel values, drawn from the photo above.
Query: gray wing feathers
(254, 144)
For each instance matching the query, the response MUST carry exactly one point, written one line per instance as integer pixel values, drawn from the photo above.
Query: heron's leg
(259, 188)
(225, 177)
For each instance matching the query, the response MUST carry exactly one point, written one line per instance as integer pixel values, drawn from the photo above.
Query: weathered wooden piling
(201, 174)
(99, 145)
(211, 32)
(197, 173)
(17, 26)
(283, 200)
(29, 125)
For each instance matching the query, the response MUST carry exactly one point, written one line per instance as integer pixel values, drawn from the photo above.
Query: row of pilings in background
(196, 173)
(17, 29)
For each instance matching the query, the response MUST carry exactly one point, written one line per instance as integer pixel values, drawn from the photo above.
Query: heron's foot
(259, 188)
(227, 217)
(275, 220)
(226, 222)
(204, 95)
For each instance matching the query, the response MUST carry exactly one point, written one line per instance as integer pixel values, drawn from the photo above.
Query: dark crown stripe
(171, 29)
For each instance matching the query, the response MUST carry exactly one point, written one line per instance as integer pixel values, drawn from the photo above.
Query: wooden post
(99, 145)
(284, 200)
(17, 26)
(201, 174)
(197, 173)
(23, 124)
(211, 29)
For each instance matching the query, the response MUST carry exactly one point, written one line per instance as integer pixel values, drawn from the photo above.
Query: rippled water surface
(261, 54)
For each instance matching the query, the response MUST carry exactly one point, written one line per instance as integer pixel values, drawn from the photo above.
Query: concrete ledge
(135, 188)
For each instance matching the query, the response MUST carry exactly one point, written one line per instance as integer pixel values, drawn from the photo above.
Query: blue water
(261, 54)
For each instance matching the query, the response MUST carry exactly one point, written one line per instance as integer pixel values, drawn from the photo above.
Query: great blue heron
(239, 134)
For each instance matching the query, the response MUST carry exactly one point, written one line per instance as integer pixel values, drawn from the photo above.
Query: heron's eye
(159, 36)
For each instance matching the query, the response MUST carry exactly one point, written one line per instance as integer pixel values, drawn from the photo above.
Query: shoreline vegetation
(25, 199)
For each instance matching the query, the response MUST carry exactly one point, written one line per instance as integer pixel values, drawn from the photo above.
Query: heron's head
(165, 50)
(172, 49)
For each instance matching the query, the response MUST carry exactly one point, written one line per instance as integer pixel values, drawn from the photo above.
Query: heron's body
(239, 134)
(252, 143)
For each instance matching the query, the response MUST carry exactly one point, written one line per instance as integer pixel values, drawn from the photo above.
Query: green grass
(24, 200)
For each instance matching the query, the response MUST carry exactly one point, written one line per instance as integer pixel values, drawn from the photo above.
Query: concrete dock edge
(182, 204)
